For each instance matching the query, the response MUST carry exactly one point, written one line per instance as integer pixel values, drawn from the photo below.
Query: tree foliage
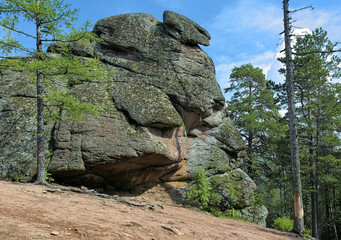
(254, 111)
(283, 224)
(48, 22)
(318, 113)
(200, 192)
(315, 68)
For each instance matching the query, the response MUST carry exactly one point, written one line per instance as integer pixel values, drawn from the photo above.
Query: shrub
(283, 223)
(199, 192)
(16, 177)
(48, 176)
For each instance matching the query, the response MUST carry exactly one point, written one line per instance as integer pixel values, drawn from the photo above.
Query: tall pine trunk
(333, 222)
(330, 215)
(250, 165)
(313, 181)
(295, 163)
(40, 109)
(334, 206)
(327, 232)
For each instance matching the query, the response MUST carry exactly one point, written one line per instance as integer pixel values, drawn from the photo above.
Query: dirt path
(30, 212)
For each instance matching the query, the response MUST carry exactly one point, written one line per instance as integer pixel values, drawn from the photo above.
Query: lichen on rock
(162, 114)
(184, 29)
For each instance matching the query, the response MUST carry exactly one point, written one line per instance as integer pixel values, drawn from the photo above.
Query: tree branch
(18, 31)
(18, 47)
(9, 11)
(54, 20)
(300, 9)
(64, 41)
(317, 51)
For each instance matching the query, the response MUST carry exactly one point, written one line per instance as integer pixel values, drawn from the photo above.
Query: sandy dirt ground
(29, 211)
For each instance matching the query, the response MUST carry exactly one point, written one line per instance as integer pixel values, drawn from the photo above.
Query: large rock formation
(164, 114)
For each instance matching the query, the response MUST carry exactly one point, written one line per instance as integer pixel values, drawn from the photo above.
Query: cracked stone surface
(164, 111)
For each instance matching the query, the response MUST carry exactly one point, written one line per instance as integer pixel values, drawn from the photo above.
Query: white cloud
(260, 46)
(255, 22)
(314, 19)
(223, 72)
(297, 32)
(263, 61)
(283, 112)
(330, 21)
(273, 73)
(265, 19)
(249, 14)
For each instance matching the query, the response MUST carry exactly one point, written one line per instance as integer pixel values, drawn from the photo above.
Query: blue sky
(243, 31)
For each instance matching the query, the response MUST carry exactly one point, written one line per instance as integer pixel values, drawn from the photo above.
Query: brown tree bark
(295, 163)
(313, 181)
(40, 109)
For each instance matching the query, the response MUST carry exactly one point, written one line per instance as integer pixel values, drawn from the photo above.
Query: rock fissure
(163, 115)
(23, 95)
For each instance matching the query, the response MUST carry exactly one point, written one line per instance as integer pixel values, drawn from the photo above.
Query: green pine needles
(56, 69)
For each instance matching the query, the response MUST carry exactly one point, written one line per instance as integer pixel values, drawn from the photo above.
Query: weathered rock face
(164, 113)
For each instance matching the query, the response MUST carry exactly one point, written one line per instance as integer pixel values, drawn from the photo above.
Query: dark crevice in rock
(52, 141)
(202, 31)
(124, 166)
(160, 125)
(172, 31)
(219, 105)
(192, 45)
(232, 153)
(7, 109)
(23, 95)
(162, 87)
(179, 106)
(118, 66)
(128, 53)
(130, 120)
(127, 116)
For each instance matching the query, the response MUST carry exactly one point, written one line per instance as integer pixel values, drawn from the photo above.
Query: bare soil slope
(30, 212)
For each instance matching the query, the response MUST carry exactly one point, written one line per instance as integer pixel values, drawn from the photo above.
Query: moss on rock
(146, 104)
(236, 189)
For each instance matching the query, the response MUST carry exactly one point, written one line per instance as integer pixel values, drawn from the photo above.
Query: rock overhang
(164, 114)
(162, 88)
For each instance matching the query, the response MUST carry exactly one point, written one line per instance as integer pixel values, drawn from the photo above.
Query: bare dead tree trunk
(40, 110)
(295, 162)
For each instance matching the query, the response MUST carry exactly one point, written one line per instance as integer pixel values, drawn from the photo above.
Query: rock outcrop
(164, 114)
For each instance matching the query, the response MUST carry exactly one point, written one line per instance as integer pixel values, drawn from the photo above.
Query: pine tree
(315, 66)
(255, 113)
(52, 21)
